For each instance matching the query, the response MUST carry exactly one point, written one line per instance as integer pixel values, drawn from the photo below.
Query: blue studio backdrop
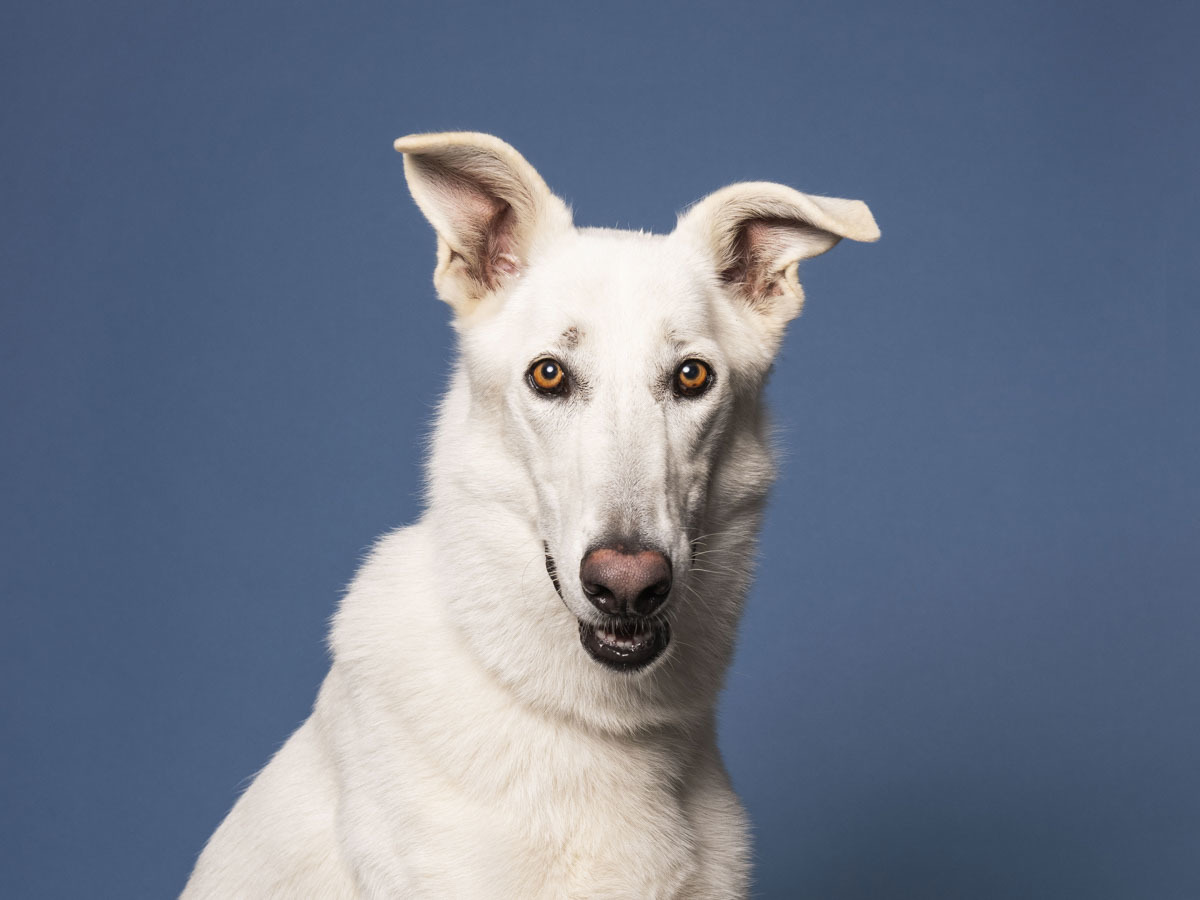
(970, 666)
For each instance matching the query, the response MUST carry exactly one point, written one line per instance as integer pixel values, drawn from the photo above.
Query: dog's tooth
(621, 639)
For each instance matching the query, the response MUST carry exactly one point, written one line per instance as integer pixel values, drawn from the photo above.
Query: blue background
(970, 665)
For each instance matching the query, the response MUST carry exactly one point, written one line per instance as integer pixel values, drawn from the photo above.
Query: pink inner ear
(507, 264)
(756, 246)
(762, 248)
(484, 225)
(499, 258)
(469, 207)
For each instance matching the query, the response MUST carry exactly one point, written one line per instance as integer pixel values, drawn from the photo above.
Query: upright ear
(756, 233)
(489, 207)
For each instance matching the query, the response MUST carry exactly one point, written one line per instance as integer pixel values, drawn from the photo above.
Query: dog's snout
(621, 583)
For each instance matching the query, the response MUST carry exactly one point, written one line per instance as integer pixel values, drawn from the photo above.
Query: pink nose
(626, 584)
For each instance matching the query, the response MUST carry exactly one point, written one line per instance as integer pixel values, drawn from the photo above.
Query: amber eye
(692, 378)
(548, 376)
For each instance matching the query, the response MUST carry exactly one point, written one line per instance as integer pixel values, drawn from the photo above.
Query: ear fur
(489, 207)
(756, 233)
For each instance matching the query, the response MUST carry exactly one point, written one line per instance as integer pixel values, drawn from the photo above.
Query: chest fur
(517, 806)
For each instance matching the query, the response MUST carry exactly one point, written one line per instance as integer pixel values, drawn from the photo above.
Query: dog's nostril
(650, 599)
(621, 583)
(596, 590)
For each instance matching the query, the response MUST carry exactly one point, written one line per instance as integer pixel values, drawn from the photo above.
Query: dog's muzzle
(627, 589)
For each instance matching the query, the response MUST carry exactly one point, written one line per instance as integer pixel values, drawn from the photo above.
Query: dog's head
(609, 395)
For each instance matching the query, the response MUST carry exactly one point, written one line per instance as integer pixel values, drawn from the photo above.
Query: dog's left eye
(548, 376)
(692, 378)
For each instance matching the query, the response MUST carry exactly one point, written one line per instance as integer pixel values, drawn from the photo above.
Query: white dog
(521, 701)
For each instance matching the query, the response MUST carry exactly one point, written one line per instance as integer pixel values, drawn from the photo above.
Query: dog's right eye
(548, 376)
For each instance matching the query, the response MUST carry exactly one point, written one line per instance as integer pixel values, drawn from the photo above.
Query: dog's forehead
(608, 282)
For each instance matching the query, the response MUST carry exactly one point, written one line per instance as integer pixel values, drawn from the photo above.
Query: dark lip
(657, 634)
(653, 636)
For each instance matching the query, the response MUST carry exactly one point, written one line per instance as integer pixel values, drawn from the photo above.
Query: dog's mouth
(624, 644)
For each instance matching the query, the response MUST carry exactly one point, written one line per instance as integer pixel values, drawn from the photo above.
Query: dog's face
(620, 375)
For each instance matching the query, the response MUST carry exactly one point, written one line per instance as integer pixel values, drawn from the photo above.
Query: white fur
(464, 744)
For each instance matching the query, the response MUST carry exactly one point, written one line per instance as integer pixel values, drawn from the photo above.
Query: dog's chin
(626, 646)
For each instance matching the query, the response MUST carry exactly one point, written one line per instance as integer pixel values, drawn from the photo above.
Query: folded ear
(489, 207)
(756, 233)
